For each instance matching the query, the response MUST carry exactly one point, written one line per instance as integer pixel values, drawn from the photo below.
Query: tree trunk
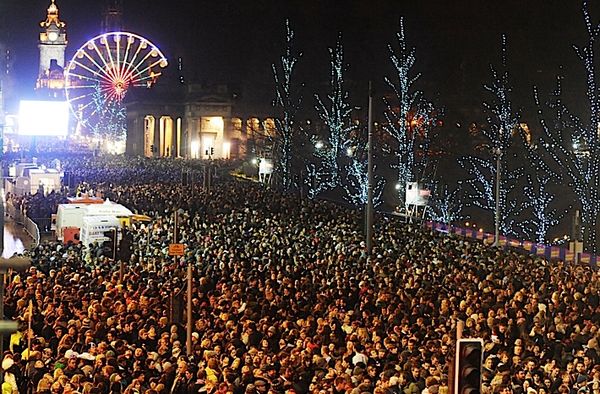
(590, 219)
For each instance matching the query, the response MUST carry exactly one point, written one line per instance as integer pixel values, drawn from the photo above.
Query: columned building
(196, 122)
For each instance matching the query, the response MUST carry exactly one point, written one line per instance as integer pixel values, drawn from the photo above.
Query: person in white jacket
(9, 376)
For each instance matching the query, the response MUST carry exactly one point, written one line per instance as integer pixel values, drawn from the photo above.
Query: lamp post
(498, 153)
(189, 320)
(369, 219)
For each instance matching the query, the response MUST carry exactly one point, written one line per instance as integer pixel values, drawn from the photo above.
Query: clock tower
(52, 45)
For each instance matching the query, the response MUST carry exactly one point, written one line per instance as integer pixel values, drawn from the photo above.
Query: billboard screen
(43, 118)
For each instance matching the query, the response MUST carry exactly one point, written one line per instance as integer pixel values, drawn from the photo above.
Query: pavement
(16, 240)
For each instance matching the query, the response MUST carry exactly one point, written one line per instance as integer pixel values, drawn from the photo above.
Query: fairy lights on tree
(574, 143)
(313, 180)
(357, 179)
(538, 213)
(334, 110)
(287, 101)
(539, 198)
(445, 205)
(111, 117)
(502, 124)
(410, 117)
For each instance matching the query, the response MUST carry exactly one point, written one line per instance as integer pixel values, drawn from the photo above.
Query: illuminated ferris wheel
(100, 74)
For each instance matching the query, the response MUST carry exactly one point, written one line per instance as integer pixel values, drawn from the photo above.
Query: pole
(2, 173)
(208, 178)
(29, 330)
(188, 337)
(114, 244)
(460, 325)
(175, 230)
(498, 153)
(172, 294)
(369, 219)
(121, 271)
(301, 184)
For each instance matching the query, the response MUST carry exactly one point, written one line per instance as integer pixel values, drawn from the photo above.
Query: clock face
(53, 36)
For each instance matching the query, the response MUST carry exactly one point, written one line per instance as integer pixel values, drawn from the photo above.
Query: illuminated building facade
(196, 123)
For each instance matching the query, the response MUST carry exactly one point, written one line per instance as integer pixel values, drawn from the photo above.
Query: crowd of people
(286, 299)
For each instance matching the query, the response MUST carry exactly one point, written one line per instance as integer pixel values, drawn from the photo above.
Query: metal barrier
(29, 225)
(43, 224)
(11, 187)
(546, 251)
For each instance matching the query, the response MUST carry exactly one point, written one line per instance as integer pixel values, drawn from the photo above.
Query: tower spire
(52, 17)
(113, 16)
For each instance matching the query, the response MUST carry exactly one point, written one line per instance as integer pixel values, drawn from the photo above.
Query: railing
(31, 228)
(11, 187)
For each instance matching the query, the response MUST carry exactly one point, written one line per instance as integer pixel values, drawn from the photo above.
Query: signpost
(176, 249)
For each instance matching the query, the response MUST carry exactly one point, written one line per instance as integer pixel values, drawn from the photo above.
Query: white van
(94, 227)
(69, 215)
(72, 215)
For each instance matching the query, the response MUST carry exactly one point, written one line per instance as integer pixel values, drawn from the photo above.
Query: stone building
(190, 121)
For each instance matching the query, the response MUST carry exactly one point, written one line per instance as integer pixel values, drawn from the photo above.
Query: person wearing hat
(581, 384)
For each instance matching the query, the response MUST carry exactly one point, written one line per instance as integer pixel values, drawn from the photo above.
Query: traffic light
(212, 151)
(126, 246)
(109, 244)
(469, 355)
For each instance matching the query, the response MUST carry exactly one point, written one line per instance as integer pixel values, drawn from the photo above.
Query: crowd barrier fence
(547, 251)
(31, 228)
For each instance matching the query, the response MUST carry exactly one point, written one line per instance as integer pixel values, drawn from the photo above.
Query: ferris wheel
(102, 71)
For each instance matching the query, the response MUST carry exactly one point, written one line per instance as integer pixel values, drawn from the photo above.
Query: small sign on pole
(176, 249)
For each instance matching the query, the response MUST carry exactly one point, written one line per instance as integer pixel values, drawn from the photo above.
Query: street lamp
(498, 153)
(369, 219)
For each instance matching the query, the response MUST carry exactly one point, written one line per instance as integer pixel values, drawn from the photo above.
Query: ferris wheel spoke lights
(104, 69)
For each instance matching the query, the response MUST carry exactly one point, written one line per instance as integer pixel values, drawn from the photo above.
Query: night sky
(234, 42)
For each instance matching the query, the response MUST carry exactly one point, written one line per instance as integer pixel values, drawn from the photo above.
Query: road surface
(16, 239)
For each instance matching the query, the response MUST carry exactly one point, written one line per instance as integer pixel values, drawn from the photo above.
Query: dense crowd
(287, 300)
